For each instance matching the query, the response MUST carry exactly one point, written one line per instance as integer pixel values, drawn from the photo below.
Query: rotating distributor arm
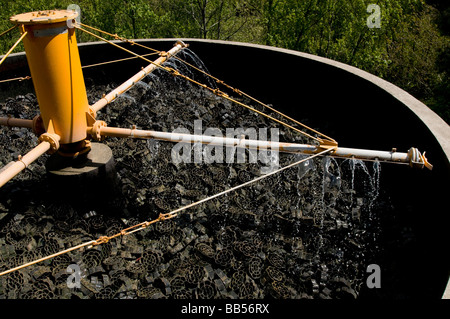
(98, 130)
(413, 157)
(35, 124)
(47, 143)
(110, 97)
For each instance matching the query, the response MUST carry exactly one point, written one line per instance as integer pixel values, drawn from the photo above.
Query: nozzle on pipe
(418, 160)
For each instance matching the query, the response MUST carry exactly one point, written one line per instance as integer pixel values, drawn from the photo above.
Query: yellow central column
(54, 62)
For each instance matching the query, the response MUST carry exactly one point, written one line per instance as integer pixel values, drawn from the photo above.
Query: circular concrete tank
(354, 107)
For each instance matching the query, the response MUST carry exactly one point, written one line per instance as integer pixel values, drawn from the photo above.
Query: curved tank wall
(354, 107)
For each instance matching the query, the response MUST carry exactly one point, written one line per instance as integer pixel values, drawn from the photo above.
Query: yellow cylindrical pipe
(54, 62)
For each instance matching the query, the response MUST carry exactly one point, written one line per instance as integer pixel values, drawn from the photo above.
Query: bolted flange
(53, 139)
(95, 131)
(38, 125)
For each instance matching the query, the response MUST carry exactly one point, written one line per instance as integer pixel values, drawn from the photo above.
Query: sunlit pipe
(413, 157)
(13, 47)
(48, 142)
(136, 78)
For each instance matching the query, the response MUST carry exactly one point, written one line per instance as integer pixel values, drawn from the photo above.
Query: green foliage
(408, 49)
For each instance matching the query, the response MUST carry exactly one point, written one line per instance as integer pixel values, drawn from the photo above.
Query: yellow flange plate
(44, 17)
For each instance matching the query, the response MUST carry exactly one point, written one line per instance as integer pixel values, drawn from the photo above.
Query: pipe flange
(38, 125)
(52, 139)
(96, 129)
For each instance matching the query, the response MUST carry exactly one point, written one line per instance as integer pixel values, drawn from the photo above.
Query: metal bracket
(417, 160)
(49, 32)
(326, 144)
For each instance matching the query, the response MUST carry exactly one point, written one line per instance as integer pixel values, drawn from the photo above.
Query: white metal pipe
(363, 154)
(371, 155)
(136, 78)
(206, 139)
